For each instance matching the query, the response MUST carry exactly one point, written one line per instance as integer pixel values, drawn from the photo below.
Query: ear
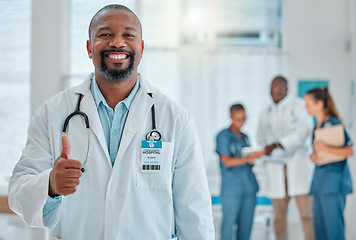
(142, 47)
(89, 49)
(320, 105)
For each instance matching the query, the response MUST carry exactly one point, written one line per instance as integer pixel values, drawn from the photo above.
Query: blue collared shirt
(112, 121)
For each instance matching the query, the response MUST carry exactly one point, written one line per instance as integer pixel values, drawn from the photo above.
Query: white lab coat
(119, 202)
(288, 123)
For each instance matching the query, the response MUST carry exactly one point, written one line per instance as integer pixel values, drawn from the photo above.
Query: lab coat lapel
(88, 107)
(138, 113)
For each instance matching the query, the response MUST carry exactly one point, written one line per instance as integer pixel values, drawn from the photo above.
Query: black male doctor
(120, 178)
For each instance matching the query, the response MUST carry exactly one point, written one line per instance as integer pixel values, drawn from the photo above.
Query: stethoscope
(152, 135)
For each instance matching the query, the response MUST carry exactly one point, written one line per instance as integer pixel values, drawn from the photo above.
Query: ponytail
(322, 94)
(330, 107)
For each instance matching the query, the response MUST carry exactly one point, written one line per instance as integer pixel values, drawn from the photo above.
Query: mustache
(129, 53)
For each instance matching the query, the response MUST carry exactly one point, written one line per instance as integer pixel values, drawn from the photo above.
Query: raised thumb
(66, 147)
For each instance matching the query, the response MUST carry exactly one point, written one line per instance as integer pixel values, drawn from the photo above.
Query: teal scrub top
(332, 178)
(239, 180)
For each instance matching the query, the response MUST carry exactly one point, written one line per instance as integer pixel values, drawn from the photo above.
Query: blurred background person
(238, 185)
(284, 128)
(332, 181)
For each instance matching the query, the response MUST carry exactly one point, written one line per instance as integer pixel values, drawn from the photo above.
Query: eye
(129, 35)
(105, 35)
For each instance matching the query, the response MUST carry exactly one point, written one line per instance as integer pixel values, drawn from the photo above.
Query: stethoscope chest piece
(153, 135)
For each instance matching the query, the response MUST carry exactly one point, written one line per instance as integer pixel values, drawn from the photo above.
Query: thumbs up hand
(64, 177)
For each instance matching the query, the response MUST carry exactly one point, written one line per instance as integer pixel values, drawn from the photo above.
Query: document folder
(333, 136)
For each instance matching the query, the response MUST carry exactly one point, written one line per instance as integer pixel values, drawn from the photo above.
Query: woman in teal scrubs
(238, 182)
(331, 182)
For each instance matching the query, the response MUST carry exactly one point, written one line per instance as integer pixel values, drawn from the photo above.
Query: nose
(117, 41)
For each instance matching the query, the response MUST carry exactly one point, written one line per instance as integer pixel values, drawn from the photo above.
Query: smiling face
(115, 45)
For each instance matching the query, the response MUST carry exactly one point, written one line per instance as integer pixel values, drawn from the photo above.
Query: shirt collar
(99, 98)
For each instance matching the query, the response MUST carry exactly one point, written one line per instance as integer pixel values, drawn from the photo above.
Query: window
(248, 23)
(15, 46)
(231, 23)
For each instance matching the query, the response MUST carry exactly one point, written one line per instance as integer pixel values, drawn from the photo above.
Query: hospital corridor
(179, 119)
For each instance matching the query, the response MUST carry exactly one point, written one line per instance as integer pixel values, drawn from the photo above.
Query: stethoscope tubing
(157, 135)
(76, 112)
(152, 135)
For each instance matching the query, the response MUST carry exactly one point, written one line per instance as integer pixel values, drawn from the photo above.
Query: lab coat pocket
(159, 179)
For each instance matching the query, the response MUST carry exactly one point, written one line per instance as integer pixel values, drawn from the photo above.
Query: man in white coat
(130, 166)
(285, 127)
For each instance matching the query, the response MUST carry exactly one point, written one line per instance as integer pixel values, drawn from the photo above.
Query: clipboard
(247, 151)
(332, 136)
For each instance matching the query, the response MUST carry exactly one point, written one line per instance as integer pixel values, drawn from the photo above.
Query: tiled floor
(263, 225)
(12, 228)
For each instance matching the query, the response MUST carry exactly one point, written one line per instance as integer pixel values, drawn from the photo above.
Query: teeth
(115, 56)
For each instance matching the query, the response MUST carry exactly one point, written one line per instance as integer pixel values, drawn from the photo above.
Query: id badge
(151, 156)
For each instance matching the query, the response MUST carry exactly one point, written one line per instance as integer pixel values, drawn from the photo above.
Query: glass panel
(15, 46)
(160, 22)
(231, 23)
